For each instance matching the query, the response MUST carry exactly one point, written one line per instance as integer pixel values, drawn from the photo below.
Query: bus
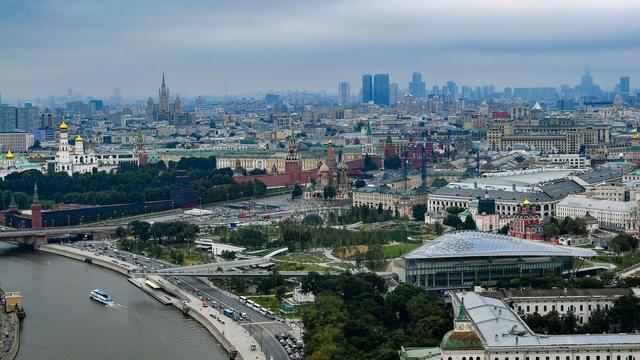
(270, 314)
(243, 299)
(230, 313)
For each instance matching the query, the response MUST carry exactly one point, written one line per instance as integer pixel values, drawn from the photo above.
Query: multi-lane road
(262, 328)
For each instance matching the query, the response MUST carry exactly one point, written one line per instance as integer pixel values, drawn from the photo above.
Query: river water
(62, 323)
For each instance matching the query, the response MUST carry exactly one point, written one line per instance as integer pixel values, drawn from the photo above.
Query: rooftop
(479, 244)
(586, 203)
(499, 326)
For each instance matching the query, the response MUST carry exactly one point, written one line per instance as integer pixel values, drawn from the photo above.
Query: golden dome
(526, 202)
(635, 136)
(57, 153)
(9, 155)
(64, 126)
(79, 138)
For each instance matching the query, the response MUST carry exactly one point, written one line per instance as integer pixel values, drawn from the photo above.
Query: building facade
(613, 215)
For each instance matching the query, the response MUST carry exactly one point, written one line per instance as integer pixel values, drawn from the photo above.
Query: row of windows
(569, 308)
(577, 357)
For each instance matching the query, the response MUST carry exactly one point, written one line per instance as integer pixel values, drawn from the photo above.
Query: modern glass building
(367, 88)
(461, 259)
(381, 89)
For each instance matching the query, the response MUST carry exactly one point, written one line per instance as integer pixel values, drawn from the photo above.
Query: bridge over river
(37, 237)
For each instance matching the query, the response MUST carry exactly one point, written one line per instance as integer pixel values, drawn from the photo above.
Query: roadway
(261, 327)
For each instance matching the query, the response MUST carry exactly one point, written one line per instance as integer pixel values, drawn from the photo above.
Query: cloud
(49, 46)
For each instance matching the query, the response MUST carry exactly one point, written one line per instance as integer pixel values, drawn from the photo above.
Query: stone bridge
(37, 237)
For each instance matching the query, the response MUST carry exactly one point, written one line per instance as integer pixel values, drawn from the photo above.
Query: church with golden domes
(74, 159)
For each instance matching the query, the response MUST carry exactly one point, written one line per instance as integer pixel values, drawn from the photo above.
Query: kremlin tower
(36, 210)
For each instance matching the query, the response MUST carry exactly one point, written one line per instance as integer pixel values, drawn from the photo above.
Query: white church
(74, 159)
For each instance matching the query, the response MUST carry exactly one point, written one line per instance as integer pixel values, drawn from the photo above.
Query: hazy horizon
(91, 47)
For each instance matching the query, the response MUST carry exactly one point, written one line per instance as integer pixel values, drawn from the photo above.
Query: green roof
(467, 340)
(462, 313)
(415, 353)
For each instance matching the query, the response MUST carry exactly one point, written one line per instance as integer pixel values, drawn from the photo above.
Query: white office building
(615, 215)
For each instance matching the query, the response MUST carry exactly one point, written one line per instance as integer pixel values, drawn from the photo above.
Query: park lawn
(290, 266)
(306, 257)
(621, 261)
(397, 250)
(349, 252)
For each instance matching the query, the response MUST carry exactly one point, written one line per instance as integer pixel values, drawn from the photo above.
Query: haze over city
(320, 180)
(51, 46)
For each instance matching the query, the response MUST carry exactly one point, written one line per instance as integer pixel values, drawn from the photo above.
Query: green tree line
(353, 317)
(130, 184)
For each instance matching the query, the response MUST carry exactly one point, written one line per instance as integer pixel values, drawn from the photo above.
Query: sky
(49, 46)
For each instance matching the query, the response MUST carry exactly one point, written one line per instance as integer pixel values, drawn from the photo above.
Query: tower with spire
(163, 97)
(141, 151)
(36, 209)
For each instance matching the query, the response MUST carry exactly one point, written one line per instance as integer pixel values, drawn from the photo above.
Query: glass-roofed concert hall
(462, 259)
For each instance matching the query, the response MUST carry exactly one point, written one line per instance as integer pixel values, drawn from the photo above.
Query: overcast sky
(47, 46)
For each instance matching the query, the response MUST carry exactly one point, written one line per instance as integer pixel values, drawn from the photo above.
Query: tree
(454, 210)
(551, 230)
(280, 292)
(418, 211)
(453, 221)
(504, 230)
(439, 182)
(297, 192)
(257, 171)
(625, 314)
(469, 223)
(329, 192)
(624, 242)
(312, 219)
(121, 232)
(139, 230)
(359, 183)
(392, 163)
(439, 230)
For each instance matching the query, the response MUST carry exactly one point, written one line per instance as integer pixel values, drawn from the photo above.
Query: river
(62, 323)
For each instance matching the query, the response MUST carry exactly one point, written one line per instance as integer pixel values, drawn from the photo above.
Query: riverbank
(12, 326)
(233, 337)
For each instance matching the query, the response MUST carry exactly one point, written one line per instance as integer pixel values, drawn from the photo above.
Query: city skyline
(286, 45)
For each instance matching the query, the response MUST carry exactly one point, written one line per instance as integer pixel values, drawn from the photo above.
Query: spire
(12, 204)
(36, 199)
(462, 313)
(163, 79)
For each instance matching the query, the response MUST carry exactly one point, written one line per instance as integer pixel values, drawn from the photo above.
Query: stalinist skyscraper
(163, 97)
(171, 113)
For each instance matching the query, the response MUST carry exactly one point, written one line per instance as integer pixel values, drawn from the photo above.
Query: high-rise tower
(367, 88)
(163, 97)
(381, 89)
(344, 94)
(417, 87)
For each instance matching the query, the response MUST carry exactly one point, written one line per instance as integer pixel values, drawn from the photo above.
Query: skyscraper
(163, 97)
(452, 89)
(367, 88)
(587, 88)
(394, 93)
(624, 85)
(344, 93)
(381, 89)
(417, 87)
